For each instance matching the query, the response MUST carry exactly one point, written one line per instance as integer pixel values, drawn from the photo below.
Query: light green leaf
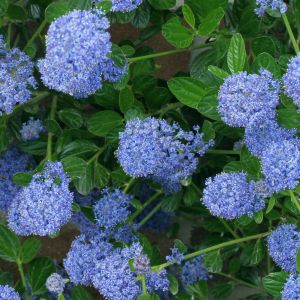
(188, 15)
(211, 21)
(274, 282)
(55, 10)
(236, 56)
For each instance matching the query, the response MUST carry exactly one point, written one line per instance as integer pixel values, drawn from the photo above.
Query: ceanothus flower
(113, 73)
(77, 54)
(123, 5)
(153, 149)
(11, 162)
(230, 196)
(31, 130)
(175, 256)
(44, 205)
(283, 245)
(112, 208)
(16, 78)
(258, 135)
(55, 283)
(243, 97)
(291, 290)
(281, 165)
(291, 79)
(8, 293)
(116, 281)
(263, 5)
(194, 270)
(83, 257)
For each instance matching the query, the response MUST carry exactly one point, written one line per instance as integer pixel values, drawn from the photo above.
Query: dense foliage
(186, 188)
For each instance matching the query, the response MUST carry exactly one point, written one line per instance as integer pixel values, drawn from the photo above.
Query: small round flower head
(291, 290)
(153, 149)
(230, 196)
(263, 5)
(281, 165)
(259, 135)
(291, 79)
(8, 293)
(141, 264)
(111, 72)
(77, 45)
(175, 255)
(31, 130)
(11, 162)
(243, 97)
(44, 205)
(193, 271)
(55, 283)
(123, 5)
(283, 244)
(112, 208)
(84, 256)
(16, 76)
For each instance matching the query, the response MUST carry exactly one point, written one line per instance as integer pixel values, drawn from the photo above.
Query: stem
(295, 200)
(50, 134)
(97, 154)
(151, 213)
(168, 107)
(226, 225)
(37, 32)
(166, 53)
(129, 185)
(146, 204)
(144, 286)
(290, 32)
(229, 152)
(21, 271)
(9, 34)
(213, 248)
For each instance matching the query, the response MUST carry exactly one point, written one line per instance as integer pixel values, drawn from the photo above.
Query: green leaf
(213, 261)
(6, 278)
(188, 15)
(180, 246)
(103, 122)
(79, 148)
(263, 44)
(259, 217)
(71, 117)
(80, 293)
(221, 291)
(173, 284)
(298, 260)
(74, 166)
(3, 7)
(289, 118)
(257, 253)
(208, 107)
(105, 5)
(274, 282)
(172, 202)
(55, 10)
(30, 249)
(9, 244)
(211, 21)
(101, 176)
(126, 99)
(187, 90)
(79, 4)
(176, 34)
(162, 4)
(236, 56)
(22, 179)
(85, 183)
(61, 297)
(38, 272)
(266, 61)
(222, 74)
(144, 297)
(16, 12)
(271, 204)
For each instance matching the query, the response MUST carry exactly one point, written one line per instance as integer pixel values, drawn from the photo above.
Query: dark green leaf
(3, 7)
(208, 107)
(71, 117)
(30, 249)
(173, 284)
(101, 176)
(236, 56)
(74, 166)
(211, 21)
(126, 99)
(79, 148)
(274, 282)
(80, 293)
(55, 10)
(16, 12)
(162, 4)
(22, 179)
(266, 61)
(257, 253)
(85, 183)
(222, 291)
(213, 261)
(9, 244)
(289, 118)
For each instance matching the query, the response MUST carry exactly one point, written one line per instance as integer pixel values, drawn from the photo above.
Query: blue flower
(194, 270)
(243, 97)
(259, 135)
(263, 5)
(55, 283)
(230, 196)
(77, 54)
(123, 5)
(11, 162)
(291, 290)
(8, 293)
(291, 79)
(175, 256)
(281, 165)
(44, 205)
(112, 208)
(31, 130)
(283, 244)
(153, 149)
(16, 76)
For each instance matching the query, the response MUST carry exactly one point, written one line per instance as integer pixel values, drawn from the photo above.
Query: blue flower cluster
(291, 290)
(194, 270)
(112, 208)
(55, 283)
(291, 79)
(243, 97)
(263, 5)
(94, 261)
(44, 205)
(175, 256)
(283, 245)
(31, 130)
(123, 5)
(153, 149)
(230, 196)
(11, 162)
(8, 293)
(16, 76)
(77, 54)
